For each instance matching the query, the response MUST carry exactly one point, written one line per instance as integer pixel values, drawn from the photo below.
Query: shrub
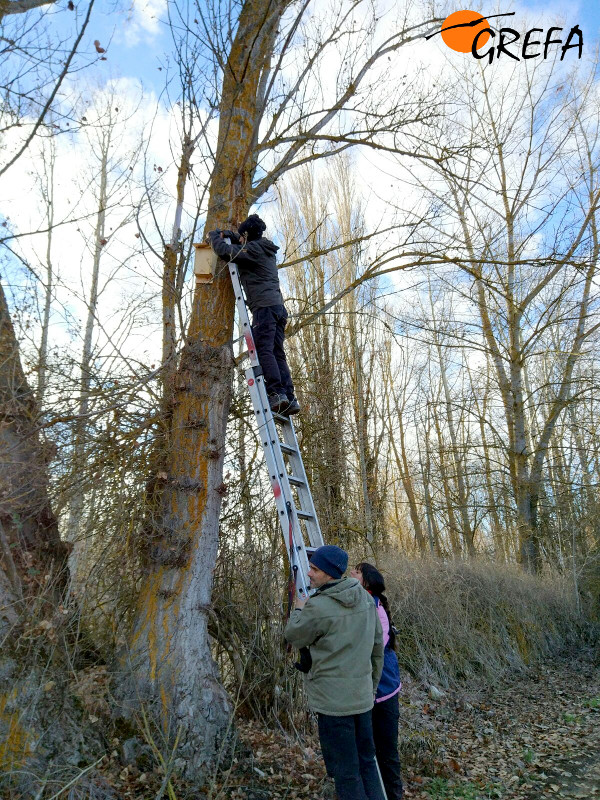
(459, 621)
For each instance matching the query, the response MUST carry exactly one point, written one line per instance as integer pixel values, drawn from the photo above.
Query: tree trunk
(404, 470)
(49, 285)
(170, 664)
(457, 460)
(362, 442)
(170, 292)
(497, 534)
(433, 533)
(77, 505)
(453, 525)
(33, 558)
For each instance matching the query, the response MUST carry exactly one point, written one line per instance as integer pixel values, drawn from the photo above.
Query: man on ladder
(344, 719)
(255, 259)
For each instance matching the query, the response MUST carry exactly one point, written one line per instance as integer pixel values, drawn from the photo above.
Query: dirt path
(532, 736)
(580, 779)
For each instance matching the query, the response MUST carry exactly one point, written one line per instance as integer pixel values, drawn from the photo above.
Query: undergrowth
(471, 621)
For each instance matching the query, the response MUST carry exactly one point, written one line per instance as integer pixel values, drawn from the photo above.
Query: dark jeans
(385, 734)
(268, 325)
(349, 754)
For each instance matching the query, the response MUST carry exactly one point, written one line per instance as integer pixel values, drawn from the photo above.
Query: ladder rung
(304, 515)
(296, 481)
(285, 448)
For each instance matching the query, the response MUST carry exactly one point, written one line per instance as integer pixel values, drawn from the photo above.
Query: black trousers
(349, 754)
(385, 735)
(268, 326)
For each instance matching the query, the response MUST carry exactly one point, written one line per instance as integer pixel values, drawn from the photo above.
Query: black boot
(278, 403)
(293, 407)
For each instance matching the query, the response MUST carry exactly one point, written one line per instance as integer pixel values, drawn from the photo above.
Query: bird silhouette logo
(460, 29)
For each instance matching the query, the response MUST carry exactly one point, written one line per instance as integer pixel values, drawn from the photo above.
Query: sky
(136, 39)
(589, 19)
(136, 35)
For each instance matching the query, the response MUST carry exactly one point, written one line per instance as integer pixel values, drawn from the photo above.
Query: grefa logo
(470, 32)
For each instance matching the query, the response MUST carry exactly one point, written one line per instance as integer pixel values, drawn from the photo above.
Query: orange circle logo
(461, 27)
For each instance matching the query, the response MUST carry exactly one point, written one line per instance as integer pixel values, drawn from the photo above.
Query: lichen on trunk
(168, 666)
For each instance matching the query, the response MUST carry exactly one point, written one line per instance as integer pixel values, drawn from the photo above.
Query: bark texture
(170, 663)
(8, 7)
(33, 558)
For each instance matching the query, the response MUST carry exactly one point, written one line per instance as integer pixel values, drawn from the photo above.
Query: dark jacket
(256, 265)
(389, 683)
(340, 625)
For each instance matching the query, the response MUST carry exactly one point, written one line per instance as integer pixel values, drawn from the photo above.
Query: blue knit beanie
(331, 559)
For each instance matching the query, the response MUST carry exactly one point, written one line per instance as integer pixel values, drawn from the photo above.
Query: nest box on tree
(205, 262)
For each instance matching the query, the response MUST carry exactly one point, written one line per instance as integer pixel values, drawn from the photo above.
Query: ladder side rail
(274, 456)
(279, 482)
(304, 492)
(306, 508)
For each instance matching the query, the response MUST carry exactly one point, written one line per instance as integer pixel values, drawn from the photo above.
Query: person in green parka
(339, 624)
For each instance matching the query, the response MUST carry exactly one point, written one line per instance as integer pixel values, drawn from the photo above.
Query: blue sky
(585, 13)
(137, 39)
(136, 42)
(589, 19)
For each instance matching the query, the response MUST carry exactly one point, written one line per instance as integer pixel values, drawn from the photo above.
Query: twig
(54, 92)
(166, 765)
(76, 778)
(168, 768)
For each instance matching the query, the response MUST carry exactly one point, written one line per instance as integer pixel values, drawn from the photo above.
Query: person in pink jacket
(386, 713)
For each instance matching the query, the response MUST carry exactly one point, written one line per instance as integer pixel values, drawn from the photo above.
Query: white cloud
(128, 316)
(144, 20)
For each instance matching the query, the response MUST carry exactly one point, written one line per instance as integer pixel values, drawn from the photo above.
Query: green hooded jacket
(340, 625)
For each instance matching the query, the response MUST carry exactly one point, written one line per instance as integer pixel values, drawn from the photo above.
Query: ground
(534, 735)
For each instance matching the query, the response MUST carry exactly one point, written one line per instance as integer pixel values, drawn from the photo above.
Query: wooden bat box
(205, 262)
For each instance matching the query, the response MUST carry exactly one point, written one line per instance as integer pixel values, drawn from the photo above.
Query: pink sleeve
(385, 623)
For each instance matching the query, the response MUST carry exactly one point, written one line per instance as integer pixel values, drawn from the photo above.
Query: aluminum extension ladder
(284, 460)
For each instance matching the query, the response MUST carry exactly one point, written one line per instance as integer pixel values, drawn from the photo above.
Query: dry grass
(460, 621)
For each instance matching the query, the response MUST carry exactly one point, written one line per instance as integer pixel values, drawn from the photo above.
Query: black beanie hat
(253, 226)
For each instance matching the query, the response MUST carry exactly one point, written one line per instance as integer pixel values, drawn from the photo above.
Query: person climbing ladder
(254, 256)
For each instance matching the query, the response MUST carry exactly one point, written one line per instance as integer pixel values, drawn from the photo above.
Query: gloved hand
(305, 662)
